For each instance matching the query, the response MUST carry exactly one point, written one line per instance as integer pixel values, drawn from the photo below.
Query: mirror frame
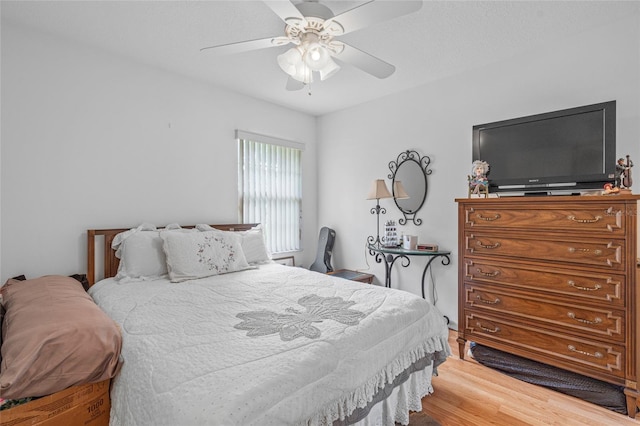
(423, 163)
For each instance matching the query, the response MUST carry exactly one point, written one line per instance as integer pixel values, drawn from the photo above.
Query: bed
(214, 332)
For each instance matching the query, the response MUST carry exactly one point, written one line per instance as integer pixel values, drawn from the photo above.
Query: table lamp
(378, 191)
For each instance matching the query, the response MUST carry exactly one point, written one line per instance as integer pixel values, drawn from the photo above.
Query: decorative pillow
(140, 253)
(202, 254)
(253, 244)
(54, 337)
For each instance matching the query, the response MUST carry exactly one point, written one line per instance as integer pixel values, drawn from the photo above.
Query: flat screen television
(560, 152)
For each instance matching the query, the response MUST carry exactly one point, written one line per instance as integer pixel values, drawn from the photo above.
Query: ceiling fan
(312, 28)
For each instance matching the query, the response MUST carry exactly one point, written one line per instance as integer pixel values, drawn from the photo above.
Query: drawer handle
(488, 219)
(573, 284)
(488, 274)
(597, 252)
(575, 219)
(488, 302)
(488, 330)
(571, 315)
(484, 246)
(596, 355)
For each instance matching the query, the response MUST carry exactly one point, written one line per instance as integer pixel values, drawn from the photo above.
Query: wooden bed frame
(111, 262)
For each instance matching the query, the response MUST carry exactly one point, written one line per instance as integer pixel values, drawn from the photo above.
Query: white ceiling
(444, 38)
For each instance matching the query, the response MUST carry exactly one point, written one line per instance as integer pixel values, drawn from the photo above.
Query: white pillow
(140, 253)
(116, 244)
(141, 257)
(253, 243)
(202, 254)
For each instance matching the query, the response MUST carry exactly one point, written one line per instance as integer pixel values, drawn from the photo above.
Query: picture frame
(285, 260)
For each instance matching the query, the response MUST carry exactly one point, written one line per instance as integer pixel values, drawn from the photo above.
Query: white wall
(356, 145)
(92, 140)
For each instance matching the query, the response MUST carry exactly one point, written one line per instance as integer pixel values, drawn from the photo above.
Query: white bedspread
(186, 363)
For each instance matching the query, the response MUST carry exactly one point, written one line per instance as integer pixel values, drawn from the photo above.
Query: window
(270, 188)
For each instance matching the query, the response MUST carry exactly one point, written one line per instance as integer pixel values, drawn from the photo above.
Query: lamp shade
(290, 60)
(303, 73)
(316, 56)
(378, 190)
(330, 69)
(398, 191)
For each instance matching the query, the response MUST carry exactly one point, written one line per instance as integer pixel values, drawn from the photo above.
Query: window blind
(270, 189)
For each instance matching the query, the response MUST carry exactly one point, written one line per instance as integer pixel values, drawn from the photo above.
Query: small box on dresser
(554, 279)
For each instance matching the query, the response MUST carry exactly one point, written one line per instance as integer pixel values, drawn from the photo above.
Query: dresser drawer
(565, 351)
(600, 252)
(596, 218)
(603, 288)
(570, 318)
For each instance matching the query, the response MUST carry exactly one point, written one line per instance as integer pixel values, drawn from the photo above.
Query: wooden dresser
(554, 279)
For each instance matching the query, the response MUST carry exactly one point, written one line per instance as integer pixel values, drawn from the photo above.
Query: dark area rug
(595, 391)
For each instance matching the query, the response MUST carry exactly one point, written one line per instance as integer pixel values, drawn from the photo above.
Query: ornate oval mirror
(411, 170)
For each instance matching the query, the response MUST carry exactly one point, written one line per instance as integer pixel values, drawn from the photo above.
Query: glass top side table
(389, 255)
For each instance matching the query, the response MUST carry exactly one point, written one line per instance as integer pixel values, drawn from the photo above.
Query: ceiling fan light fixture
(303, 73)
(316, 56)
(290, 60)
(330, 69)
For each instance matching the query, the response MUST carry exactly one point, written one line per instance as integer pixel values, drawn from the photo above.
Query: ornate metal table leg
(387, 270)
(389, 261)
(445, 261)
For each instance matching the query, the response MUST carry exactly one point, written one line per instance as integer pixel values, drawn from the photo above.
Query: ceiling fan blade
(287, 12)
(373, 12)
(366, 62)
(244, 46)
(293, 84)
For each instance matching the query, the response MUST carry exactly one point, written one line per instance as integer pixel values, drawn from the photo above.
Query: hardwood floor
(468, 393)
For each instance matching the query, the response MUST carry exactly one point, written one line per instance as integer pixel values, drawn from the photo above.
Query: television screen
(572, 149)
